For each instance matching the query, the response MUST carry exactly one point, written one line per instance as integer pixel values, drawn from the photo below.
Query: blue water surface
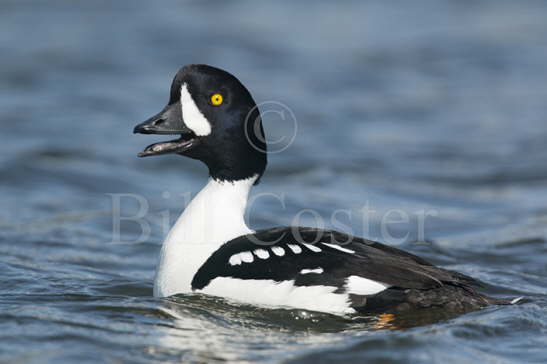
(430, 115)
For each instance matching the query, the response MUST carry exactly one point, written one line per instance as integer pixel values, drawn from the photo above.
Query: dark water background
(435, 106)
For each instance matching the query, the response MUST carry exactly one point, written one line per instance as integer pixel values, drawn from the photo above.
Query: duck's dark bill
(174, 146)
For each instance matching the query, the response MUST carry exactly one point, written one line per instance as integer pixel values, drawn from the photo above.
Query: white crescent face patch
(193, 117)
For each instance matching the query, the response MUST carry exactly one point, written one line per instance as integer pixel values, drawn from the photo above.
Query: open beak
(169, 121)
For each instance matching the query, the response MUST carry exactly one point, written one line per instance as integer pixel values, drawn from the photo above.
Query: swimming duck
(211, 250)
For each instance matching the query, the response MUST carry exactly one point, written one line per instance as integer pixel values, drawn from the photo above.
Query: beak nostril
(158, 122)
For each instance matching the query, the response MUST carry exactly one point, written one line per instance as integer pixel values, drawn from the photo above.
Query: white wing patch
(279, 251)
(308, 271)
(280, 294)
(313, 248)
(246, 257)
(363, 286)
(295, 248)
(262, 254)
(338, 247)
(235, 260)
(193, 117)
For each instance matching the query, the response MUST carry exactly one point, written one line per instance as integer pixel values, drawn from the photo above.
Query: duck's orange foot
(385, 321)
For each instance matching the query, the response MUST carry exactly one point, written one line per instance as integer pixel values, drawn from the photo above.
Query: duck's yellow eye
(216, 99)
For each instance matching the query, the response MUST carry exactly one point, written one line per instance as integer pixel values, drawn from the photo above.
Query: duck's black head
(217, 120)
